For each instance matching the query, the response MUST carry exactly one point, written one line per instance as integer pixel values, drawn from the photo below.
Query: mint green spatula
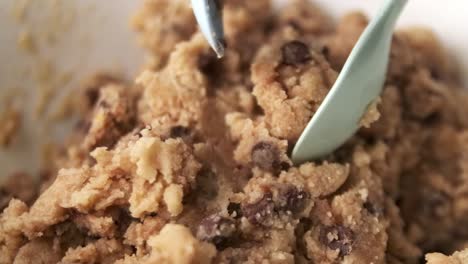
(358, 85)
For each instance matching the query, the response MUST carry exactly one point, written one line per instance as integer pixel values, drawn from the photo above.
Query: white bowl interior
(447, 19)
(99, 38)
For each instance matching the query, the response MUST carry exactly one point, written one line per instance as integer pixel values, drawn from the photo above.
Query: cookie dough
(458, 257)
(191, 163)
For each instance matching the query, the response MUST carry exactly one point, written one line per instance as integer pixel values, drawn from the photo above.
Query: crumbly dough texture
(191, 163)
(459, 257)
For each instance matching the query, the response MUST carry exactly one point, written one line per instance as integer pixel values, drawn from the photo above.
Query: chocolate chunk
(293, 200)
(265, 155)
(217, 230)
(337, 237)
(234, 210)
(285, 166)
(179, 132)
(295, 52)
(259, 211)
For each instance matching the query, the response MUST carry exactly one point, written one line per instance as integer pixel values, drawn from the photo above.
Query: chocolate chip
(293, 200)
(337, 237)
(234, 210)
(295, 52)
(133, 249)
(179, 132)
(217, 230)
(285, 166)
(259, 211)
(265, 155)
